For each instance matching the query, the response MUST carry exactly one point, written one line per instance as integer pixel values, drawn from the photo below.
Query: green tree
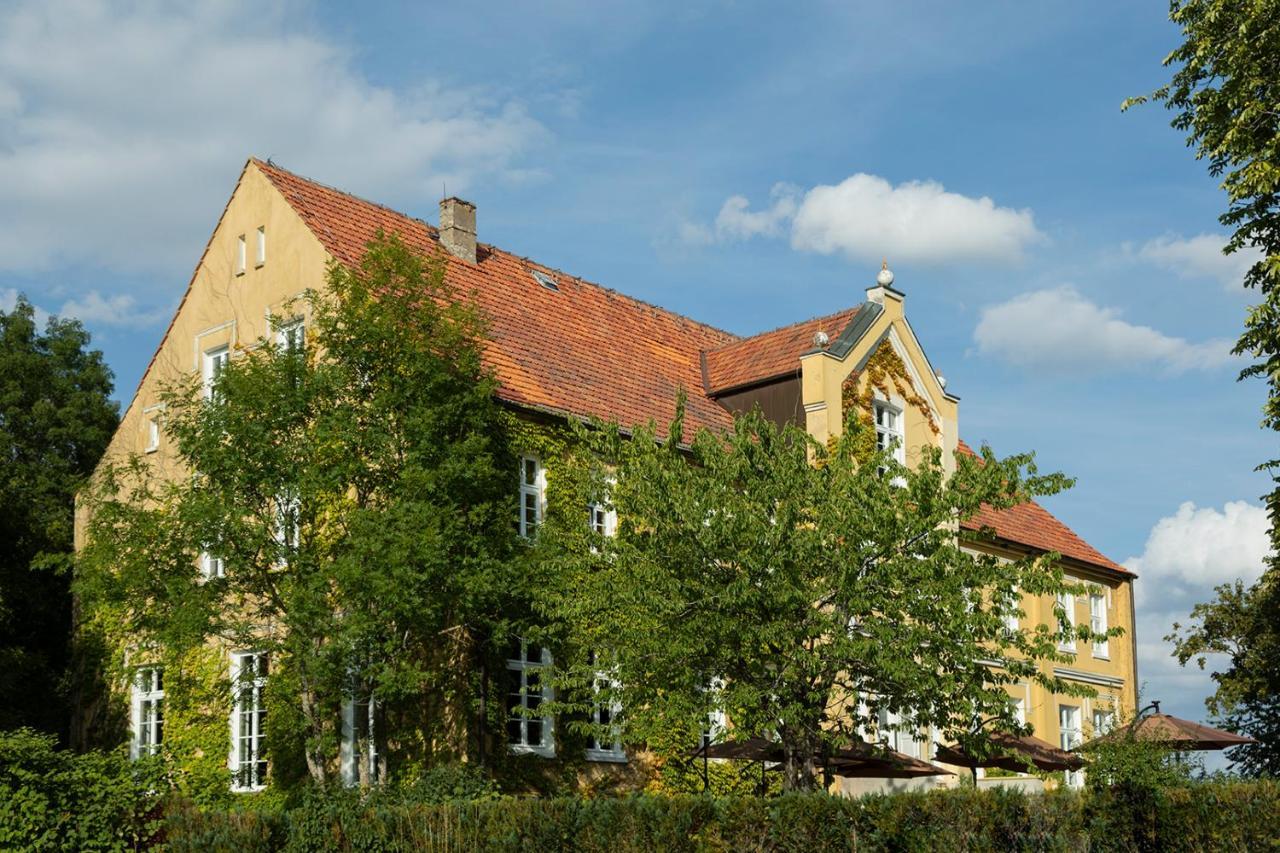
(358, 490)
(56, 418)
(1224, 93)
(1240, 625)
(797, 588)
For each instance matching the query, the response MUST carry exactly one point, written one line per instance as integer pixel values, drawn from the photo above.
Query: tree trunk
(797, 763)
(316, 764)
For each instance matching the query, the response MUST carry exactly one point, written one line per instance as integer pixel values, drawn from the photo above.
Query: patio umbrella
(1014, 753)
(861, 760)
(856, 760)
(1181, 735)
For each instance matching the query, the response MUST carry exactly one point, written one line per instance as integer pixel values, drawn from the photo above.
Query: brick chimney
(458, 228)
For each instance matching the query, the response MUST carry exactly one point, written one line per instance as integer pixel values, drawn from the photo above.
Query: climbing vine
(884, 372)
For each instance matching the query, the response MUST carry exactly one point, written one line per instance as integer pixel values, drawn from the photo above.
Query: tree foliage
(1240, 625)
(799, 589)
(1224, 93)
(357, 489)
(56, 418)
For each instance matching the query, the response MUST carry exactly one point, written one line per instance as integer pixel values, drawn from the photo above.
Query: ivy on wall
(884, 372)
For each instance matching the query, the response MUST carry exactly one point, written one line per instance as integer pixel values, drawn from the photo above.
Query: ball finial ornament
(821, 339)
(884, 278)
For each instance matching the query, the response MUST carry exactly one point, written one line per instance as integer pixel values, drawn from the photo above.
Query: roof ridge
(496, 249)
(749, 338)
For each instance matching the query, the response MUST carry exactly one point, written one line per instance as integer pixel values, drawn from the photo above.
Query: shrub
(1206, 816)
(51, 799)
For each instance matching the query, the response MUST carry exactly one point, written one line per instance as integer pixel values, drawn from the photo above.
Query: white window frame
(901, 734)
(1070, 736)
(533, 495)
(1104, 720)
(212, 363)
(522, 667)
(349, 754)
(1019, 709)
(613, 751)
(288, 524)
(291, 335)
(212, 567)
(261, 248)
(893, 435)
(1066, 601)
(1098, 623)
(248, 715)
(153, 433)
(602, 518)
(242, 251)
(717, 720)
(147, 712)
(1011, 620)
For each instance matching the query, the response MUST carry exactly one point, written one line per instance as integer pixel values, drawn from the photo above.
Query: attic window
(545, 280)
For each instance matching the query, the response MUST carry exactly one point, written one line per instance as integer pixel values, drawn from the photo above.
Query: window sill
(607, 756)
(151, 449)
(1102, 656)
(254, 789)
(543, 751)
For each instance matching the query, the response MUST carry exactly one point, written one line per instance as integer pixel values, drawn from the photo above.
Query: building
(564, 347)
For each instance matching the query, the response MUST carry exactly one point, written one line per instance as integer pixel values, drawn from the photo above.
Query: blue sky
(746, 164)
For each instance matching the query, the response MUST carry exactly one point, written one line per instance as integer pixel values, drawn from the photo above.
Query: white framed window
(603, 519)
(1065, 605)
(242, 251)
(533, 491)
(717, 721)
(212, 566)
(527, 729)
(1098, 623)
(212, 365)
(1019, 707)
(248, 721)
(260, 257)
(900, 733)
(604, 743)
(1104, 720)
(889, 434)
(153, 433)
(1069, 737)
(1014, 603)
(288, 522)
(359, 749)
(291, 336)
(147, 711)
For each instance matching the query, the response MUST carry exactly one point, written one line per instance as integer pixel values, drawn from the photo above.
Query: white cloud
(9, 298)
(737, 222)
(1200, 257)
(1204, 547)
(1186, 555)
(124, 125)
(1060, 330)
(865, 218)
(94, 309)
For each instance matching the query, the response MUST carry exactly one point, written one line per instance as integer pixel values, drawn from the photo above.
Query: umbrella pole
(974, 771)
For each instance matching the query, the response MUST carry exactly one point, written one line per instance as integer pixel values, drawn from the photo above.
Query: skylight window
(545, 280)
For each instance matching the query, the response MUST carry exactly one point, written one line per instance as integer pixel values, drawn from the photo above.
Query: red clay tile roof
(582, 350)
(588, 351)
(1032, 525)
(770, 354)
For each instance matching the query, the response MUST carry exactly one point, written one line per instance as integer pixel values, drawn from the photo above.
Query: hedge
(1204, 816)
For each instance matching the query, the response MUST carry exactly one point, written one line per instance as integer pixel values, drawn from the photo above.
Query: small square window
(241, 254)
(262, 246)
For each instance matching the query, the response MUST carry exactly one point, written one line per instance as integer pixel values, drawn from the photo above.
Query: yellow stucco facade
(262, 256)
